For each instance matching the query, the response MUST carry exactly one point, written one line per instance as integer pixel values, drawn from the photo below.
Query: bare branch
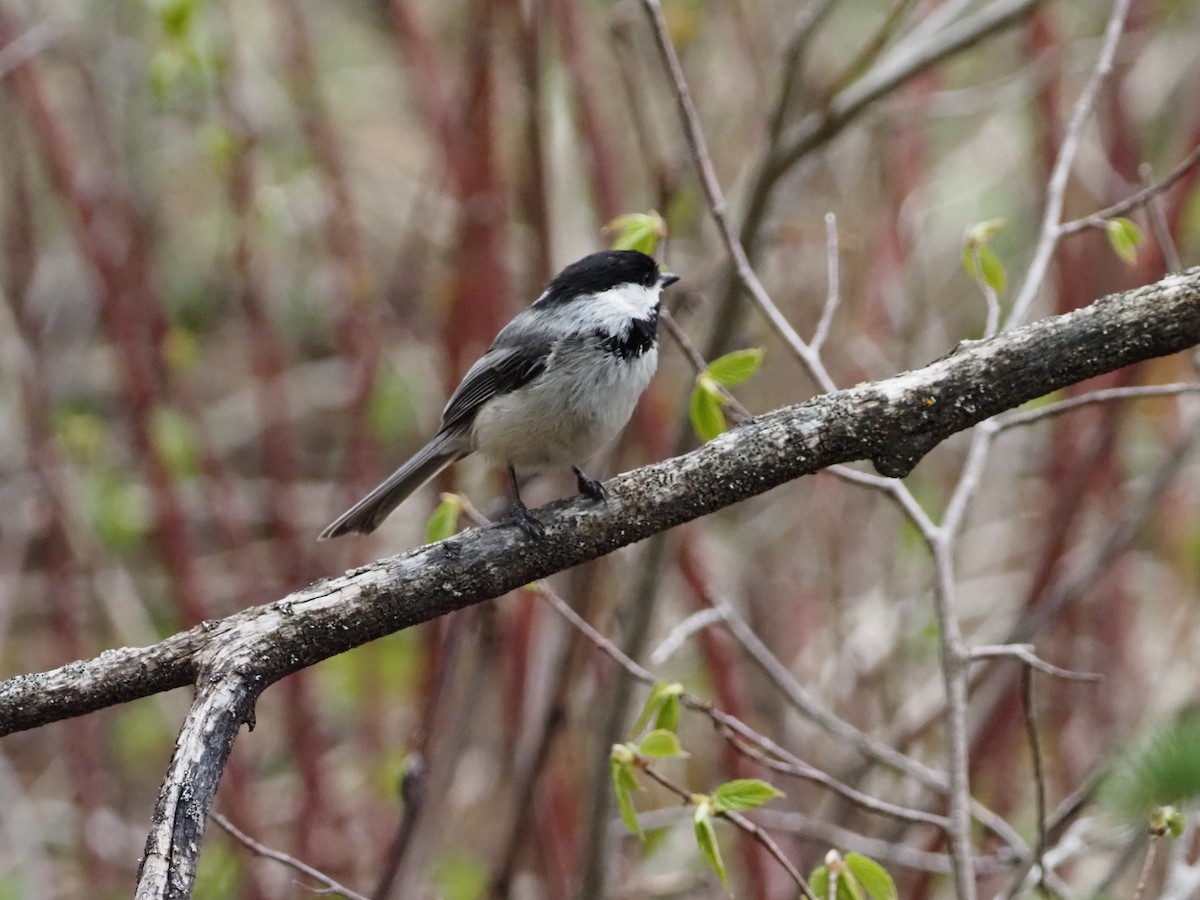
(833, 293)
(1039, 779)
(1056, 188)
(893, 422)
(737, 412)
(1159, 224)
(718, 207)
(830, 835)
(1134, 201)
(679, 635)
(902, 64)
(1106, 395)
(1024, 653)
(332, 885)
(859, 799)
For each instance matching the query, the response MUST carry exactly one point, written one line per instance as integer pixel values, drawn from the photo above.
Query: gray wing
(499, 371)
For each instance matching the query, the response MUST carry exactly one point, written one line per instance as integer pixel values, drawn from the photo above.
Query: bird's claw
(590, 487)
(525, 520)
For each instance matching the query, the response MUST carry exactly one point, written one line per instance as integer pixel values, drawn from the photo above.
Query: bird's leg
(523, 518)
(589, 487)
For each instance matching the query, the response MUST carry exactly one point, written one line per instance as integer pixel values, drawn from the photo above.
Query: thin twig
(680, 634)
(826, 834)
(1133, 201)
(744, 738)
(798, 769)
(804, 26)
(870, 747)
(1052, 229)
(412, 797)
(268, 853)
(1039, 779)
(1158, 223)
(892, 488)
(808, 706)
(833, 276)
(736, 819)
(1026, 417)
(1024, 653)
(808, 356)
(955, 656)
(736, 411)
(717, 206)
(1147, 865)
(1065, 840)
(872, 48)
(955, 663)
(905, 62)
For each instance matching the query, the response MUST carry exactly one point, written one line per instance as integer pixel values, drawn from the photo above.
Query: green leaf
(1175, 822)
(743, 793)
(624, 784)
(818, 882)
(835, 871)
(1125, 237)
(660, 694)
(705, 408)
(989, 270)
(993, 274)
(993, 270)
(872, 876)
(668, 714)
(660, 744)
(443, 523)
(706, 840)
(637, 231)
(735, 367)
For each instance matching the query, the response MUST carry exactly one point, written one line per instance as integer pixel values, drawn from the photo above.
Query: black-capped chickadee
(560, 380)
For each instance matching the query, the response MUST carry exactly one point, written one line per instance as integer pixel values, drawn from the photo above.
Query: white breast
(583, 400)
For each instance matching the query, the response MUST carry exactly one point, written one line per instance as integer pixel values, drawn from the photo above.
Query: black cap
(602, 271)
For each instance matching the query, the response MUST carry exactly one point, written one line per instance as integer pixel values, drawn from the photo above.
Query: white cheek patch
(611, 310)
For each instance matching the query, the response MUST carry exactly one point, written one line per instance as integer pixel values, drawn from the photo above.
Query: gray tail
(365, 515)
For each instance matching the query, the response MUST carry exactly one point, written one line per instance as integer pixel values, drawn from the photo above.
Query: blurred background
(249, 248)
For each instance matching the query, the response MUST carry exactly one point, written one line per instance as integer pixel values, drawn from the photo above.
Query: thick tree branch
(893, 423)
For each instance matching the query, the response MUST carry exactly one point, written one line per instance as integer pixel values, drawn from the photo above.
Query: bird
(559, 381)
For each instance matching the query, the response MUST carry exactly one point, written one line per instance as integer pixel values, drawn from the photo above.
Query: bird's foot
(589, 487)
(525, 520)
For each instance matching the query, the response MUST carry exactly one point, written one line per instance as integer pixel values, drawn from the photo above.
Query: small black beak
(666, 279)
